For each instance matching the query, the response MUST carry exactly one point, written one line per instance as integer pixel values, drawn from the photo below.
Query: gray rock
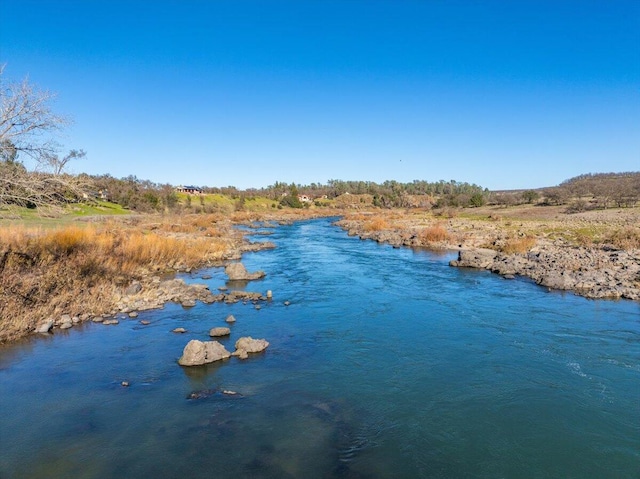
(145, 322)
(108, 322)
(188, 303)
(237, 272)
(230, 319)
(475, 258)
(45, 326)
(97, 319)
(217, 332)
(240, 354)
(133, 314)
(134, 288)
(558, 280)
(251, 345)
(196, 353)
(179, 330)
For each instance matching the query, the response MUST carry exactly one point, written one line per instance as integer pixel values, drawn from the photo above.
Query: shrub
(518, 245)
(625, 238)
(434, 234)
(376, 224)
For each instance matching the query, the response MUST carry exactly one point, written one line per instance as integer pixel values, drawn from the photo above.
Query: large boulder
(196, 353)
(475, 258)
(250, 345)
(237, 272)
(220, 331)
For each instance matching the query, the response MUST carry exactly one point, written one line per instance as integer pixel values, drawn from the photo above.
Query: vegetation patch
(518, 245)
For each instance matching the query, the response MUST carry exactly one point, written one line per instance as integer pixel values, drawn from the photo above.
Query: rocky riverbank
(544, 250)
(110, 273)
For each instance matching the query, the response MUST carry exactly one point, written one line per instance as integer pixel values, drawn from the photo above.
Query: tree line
(28, 129)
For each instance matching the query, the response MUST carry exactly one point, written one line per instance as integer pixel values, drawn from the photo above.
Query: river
(387, 363)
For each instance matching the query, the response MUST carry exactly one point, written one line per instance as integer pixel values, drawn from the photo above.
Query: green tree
(530, 196)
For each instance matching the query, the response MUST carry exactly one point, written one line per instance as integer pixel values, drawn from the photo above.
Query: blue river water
(387, 363)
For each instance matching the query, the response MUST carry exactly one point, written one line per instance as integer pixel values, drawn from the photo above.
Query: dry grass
(625, 238)
(434, 234)
(518, 245)
(46, 273)
(376, 224)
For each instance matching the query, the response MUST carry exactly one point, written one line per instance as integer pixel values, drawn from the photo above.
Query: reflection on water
(386, 363)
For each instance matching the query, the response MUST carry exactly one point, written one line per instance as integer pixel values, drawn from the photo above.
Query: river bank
(106, 269)
(594, 254)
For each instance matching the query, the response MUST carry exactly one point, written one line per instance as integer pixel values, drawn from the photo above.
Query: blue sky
(504, 94)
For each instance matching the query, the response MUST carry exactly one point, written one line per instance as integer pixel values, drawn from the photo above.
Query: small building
(304, 199)
(191, 190)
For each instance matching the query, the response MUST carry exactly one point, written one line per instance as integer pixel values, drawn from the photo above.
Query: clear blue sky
(504, 94)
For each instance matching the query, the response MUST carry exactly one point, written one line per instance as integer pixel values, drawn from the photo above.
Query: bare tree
(26, 119)
(56, 165)
(28, 127)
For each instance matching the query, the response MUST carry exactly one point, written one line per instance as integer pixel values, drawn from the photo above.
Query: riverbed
(386, 362)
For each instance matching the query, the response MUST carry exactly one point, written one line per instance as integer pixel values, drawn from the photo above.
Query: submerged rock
(196, 353)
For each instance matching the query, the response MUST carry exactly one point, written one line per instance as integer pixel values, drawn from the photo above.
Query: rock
(237, 272)
(251, 345)
(124, 384)
(257, 306)
(145, 322)
(202, 394)
(133, 314)
(240, 354)
(134, 288)
(230, 319)
(229, 393)
(108, 322)
(45, 326)
(287, 303)
(188, 303)
(196, 353)
(206, 276)
(65, 318)
(76, 319)
(66, 325)
(475, 258)
(179, 330)
(97, 319)
(269, 294)
(217, 332)
(557, 280)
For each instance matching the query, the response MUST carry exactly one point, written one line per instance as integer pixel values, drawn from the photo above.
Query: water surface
(387, 363)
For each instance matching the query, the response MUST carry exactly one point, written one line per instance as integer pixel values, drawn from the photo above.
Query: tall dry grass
(518, 245)
(376, 224)
(626, 238)
(434, 234)
(46, 273)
